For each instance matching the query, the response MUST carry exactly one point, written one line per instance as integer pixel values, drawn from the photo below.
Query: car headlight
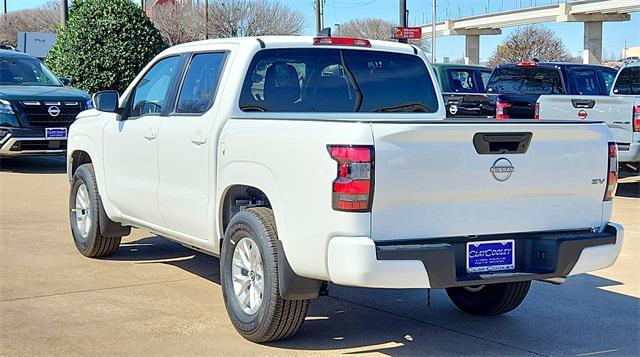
(89, 104)
(5, 107)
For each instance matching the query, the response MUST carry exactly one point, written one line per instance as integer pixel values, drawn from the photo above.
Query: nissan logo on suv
(502, 169)
(54, 111)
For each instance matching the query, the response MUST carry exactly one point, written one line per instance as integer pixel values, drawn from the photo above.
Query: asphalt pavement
(154, 297)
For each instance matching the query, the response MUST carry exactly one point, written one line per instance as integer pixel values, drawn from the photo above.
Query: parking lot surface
(154, 297)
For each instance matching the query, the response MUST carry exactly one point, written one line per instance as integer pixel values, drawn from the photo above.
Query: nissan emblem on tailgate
(502, 169)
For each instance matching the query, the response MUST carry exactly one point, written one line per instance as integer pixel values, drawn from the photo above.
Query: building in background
(631, 52)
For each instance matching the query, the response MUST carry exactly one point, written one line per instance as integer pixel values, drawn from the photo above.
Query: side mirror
(106, 101)
(65, 80)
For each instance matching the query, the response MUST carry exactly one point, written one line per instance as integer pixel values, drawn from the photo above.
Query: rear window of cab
(337, 80)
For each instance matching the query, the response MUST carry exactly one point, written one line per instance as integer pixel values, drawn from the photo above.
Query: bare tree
(183, 21)
(375, 29)
(178, 23)
(42, 19)
(233, 18)
(528, 43)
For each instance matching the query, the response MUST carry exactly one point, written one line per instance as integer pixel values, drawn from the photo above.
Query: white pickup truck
(300, 161)
(620, 111)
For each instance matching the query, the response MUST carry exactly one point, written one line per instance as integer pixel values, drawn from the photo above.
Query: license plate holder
(489, 256)
(55, 133)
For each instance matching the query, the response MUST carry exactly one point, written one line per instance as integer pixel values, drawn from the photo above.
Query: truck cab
(36, 107)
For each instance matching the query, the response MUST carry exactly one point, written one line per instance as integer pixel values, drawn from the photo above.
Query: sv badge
(597, 181)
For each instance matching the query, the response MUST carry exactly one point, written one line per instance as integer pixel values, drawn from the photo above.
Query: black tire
(275, 318)
(92, 244)
(489, 300)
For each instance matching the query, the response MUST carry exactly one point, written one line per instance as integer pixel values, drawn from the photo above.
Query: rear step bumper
(629, 152)
(441, 263)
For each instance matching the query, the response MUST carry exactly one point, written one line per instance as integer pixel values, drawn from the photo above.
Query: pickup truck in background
(620, 111)
(305, 160)
(516, 87)
(463, 88)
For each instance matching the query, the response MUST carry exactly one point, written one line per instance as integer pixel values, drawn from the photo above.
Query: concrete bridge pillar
(592, 52)
(472, 49)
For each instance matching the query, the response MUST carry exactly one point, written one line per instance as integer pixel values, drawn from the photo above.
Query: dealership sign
(408, 32)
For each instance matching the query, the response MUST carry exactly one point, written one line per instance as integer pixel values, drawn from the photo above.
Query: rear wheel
(84, 215)
(249, 275)
(487, 300)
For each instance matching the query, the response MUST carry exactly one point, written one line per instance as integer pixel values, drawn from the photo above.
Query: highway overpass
(590, 12)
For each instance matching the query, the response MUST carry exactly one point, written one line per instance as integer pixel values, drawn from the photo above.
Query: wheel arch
(244, 180)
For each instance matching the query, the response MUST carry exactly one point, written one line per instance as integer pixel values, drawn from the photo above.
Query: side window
(585, 81)
(150, 94)
(461, 81)
(200, 83)
(485, 75)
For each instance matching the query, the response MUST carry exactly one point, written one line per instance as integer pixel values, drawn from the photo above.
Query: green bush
(104, 44)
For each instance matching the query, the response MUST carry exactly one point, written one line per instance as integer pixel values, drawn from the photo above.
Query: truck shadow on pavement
(578, 317)
(34, 165)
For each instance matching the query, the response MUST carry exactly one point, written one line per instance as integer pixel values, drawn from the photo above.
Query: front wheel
(249, 276)
(84, 215)
(488, 300)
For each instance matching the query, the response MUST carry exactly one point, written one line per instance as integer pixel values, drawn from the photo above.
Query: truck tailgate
(430, 181)
(615, 111)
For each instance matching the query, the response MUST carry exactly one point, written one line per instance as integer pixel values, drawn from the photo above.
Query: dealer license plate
(55, 133)
(492, 255)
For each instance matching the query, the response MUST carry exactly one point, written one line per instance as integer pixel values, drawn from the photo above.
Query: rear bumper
(629, 152)
(359, 261)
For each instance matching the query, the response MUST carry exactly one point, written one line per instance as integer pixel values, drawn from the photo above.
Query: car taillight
(636, 118)
(536, 114)
(353, 186)
(341, 41)
(612, 173)
(500, 107)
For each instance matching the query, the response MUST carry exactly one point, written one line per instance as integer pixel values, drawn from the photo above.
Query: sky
(339, 11)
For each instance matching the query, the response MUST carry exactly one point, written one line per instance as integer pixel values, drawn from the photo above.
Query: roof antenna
(325, 32)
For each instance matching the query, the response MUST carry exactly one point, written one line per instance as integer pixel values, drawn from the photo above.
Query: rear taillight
(353, 186)
(636, 118)
(536, 114)
(500, 107)
(612, 173)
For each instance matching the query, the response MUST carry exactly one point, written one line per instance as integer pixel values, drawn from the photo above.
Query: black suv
(36, 108)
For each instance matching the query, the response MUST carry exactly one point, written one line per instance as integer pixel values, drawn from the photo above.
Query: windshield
(525, 80)
(25, 71)
(333, 80)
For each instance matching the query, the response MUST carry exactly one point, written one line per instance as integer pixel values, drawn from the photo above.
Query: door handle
(198, 138)
(149, 134)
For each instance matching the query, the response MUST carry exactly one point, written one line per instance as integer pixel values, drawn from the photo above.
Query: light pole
(402, 14)
(319, 14)
(64, 11)
(206, 19)
(433, 31)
